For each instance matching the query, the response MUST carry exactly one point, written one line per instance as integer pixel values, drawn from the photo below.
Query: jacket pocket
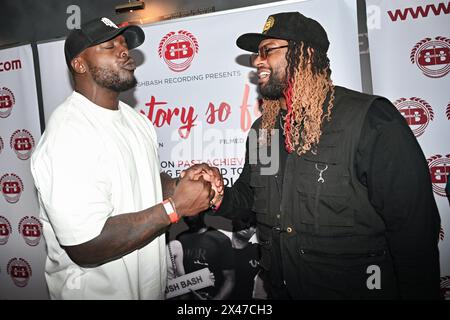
(325, 210)
(327, 150)
(258, 184)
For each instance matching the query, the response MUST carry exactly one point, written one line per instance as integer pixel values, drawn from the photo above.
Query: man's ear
(78, 65)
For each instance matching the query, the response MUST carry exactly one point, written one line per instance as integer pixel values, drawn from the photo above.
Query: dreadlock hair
(308, 86)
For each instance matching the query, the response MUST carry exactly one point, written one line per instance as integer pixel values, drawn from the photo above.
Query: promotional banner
(410, 60)
(22, 248)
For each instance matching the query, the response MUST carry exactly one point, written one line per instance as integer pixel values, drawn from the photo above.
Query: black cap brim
(134, 36)
(250, 41)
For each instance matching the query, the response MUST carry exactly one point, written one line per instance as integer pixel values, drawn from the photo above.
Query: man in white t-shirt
(97, 175)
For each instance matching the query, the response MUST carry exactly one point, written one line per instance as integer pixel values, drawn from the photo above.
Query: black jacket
(356, 218)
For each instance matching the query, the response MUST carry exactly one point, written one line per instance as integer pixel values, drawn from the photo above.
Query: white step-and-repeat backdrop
(22, 248)
(410, 61)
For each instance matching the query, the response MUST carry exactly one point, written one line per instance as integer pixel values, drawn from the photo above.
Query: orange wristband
(170, 210)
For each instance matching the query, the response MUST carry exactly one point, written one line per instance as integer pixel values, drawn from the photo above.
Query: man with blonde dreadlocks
(350, 212)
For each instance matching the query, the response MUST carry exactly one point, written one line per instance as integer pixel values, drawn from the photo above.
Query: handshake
(200, 187)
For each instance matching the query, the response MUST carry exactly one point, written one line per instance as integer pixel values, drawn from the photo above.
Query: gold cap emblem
(269, 24)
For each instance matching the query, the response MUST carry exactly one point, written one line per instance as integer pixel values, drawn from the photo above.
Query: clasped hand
(210, 174)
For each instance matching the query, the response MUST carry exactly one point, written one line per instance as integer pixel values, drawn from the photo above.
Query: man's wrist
(169, 207)
(215, 207)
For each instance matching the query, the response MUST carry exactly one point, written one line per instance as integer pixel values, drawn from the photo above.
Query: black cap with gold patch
(287, 26)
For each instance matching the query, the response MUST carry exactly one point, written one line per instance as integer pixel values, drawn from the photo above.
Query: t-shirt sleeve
(73, 185)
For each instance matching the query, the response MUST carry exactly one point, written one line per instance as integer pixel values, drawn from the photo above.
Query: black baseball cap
(98, 31)
(287, 26)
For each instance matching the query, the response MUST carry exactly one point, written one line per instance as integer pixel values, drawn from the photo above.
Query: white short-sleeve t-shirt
(93, 163)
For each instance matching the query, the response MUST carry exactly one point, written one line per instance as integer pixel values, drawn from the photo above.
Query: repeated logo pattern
(31, 230)
(432, 56)
(20, 271)
(11, 186)
(22, 142)
(178, 50)
(439, 171)
(7, 102)
(417, 112)
(5, 230)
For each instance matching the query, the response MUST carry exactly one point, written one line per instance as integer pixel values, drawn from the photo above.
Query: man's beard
(112, 80)
(274, 88)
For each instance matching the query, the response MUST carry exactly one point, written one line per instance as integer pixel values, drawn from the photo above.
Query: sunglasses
(263, 52)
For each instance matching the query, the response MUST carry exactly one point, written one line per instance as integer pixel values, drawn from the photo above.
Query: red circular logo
(7, 101)
(22, 142)
(417, 112)
(31, 230)
(432, 57)
(178, 50)
(439, 171)
(20, 271)
(11, 186)
(5, 230)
